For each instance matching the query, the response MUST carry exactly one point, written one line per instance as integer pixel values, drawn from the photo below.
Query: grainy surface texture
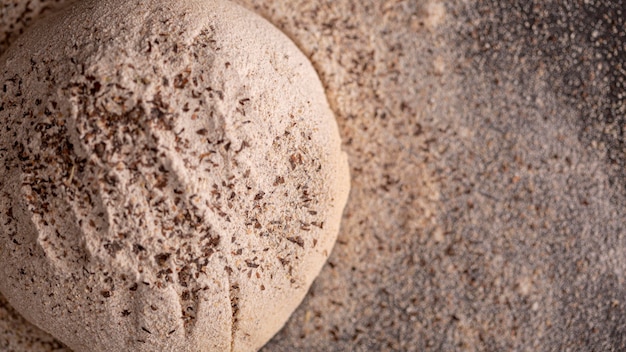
(487, 153)
(173, 177)
(16, 15)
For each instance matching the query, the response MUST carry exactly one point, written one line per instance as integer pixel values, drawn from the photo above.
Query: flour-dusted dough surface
(17, 15)
(486, 210)
(173, 180)
(19, 335)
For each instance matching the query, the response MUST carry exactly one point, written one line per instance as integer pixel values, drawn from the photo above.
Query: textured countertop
(487, 151)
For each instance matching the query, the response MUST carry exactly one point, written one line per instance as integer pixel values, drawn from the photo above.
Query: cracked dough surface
(174, 176)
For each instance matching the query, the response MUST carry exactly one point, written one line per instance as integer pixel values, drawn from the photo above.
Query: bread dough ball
(172, 180)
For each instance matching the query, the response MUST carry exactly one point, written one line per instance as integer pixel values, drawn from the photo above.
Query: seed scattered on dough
(174, 176)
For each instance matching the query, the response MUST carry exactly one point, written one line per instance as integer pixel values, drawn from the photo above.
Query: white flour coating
(16, 15)
(173, 180)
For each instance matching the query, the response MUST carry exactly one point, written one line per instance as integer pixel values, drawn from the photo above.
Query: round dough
(173, 180)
